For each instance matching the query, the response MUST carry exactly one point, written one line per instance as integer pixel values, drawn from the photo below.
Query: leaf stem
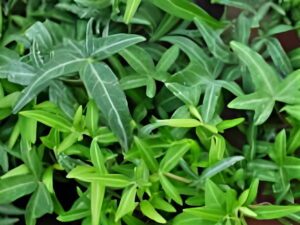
(178, 178)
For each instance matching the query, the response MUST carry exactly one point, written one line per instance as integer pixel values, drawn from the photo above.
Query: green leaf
(147, 154)
(28, 128)
(19, 170)
(97, 198)
(56, 67)
(292, 167)
(253, 191)
(127, 203)
(62, 96)
(165, 25)
(17, 72)
(161, 204)
(245, 5)
(31, 158)
(9, 221)
(193, 51)
(187, 219)
(214, 196)
(92, 117)
(217, 149)
(97, 158)
(262, 74)
(186, 10)
(210, 101)
(103, 87)
(39, 204)
(260, 102)
(88, 174)
(206, 213)
(170, 189)
(107, 46)
(292, 110)
(279, 57)
(190, 95)
(131, 7)
(73, 214)
(288, 90)
(50, 119)
(139, 59)
(133, 81)
(16, 187)
(227, 124)
(149, 211)
(266, 212)
(280, 147)
(187, 123)
(173, 156)
(168, 59)
(214, 42)
(219, 167)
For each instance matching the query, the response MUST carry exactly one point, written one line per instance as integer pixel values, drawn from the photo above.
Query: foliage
(147, 111)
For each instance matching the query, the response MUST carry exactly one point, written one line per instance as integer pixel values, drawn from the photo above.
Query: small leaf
(170, 189)
(227, 124)
(266, 212)
(210, 101)
(280, 147)
(173, 156)
(147, 154)
(97, 158)
(168, 59)
(149, 211)
(50, 119)
(218, 167)
(73, 214)
(206, 213)
(253, 191)
(127, 203)
(139, 59)
(161, 204)
(214, 196)
(131, 7)
(92, 117)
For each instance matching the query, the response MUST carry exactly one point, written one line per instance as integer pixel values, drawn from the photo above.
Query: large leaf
(260, 102)
(263, 75)
(102, 85)
(17, 72)
(15, 187)
(58, 66)
(39, 204)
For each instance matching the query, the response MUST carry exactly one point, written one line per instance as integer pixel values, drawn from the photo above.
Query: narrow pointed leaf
(103, 87)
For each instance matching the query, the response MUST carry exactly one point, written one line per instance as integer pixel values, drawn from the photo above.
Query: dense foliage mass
(148, 111)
